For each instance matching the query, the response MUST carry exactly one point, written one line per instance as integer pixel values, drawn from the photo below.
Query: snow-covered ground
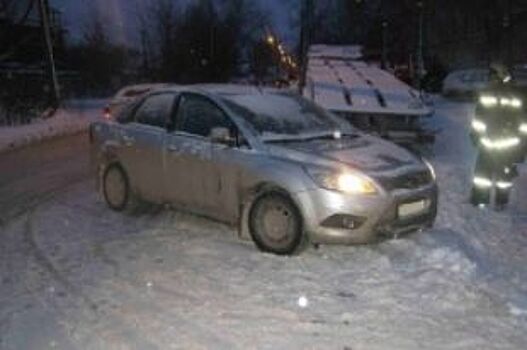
(73, 117)
(74, 275)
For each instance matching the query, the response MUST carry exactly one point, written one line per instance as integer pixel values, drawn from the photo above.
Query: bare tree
(13, 13)
(204, 40)
(100, 61)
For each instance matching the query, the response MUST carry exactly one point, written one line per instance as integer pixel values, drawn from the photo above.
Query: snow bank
(73, 118)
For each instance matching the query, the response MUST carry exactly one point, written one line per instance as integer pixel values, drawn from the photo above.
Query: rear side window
(134, 92)
(199, 115)
(155, 110)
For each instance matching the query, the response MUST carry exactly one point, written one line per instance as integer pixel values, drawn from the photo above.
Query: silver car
(278, 167)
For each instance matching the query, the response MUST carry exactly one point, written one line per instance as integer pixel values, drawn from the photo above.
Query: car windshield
(284, 116)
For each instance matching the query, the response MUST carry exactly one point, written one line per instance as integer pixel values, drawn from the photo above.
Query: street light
(270, 39)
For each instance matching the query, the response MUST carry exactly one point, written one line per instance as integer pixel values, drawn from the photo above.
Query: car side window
(155, 110)
(199, 116)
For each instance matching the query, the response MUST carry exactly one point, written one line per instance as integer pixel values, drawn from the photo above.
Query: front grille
(408, 181)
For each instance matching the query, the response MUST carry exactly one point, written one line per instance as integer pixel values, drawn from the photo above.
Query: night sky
(120, 16)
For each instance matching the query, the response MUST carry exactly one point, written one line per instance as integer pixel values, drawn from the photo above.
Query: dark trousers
(497, 170)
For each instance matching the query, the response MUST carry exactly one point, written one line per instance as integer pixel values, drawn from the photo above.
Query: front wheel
(275, 224)
(116, 189)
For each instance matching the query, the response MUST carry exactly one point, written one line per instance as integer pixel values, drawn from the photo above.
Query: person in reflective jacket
(498, 130)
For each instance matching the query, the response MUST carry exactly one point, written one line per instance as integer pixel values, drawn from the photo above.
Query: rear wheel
(275, 224)
(116, 189)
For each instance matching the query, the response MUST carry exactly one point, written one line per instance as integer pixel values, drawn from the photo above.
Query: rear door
(144, 139)
(192, 179)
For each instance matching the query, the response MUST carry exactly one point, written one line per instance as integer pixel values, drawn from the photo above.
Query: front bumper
(377, 216)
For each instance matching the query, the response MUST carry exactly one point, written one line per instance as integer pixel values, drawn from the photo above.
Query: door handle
(172, 148)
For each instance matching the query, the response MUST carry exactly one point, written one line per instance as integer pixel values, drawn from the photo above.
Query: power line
(52, 71)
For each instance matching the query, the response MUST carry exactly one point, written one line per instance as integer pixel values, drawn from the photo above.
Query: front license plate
(413, 208)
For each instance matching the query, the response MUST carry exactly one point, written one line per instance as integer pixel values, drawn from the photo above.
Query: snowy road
(74, 275)
(30, 175)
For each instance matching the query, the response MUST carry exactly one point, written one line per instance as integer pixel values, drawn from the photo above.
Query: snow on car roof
(343, 84)
(235, 89)
(138, 89)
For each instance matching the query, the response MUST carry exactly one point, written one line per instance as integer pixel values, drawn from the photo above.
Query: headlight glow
(488, 101)
(523, 128)
(500, 144)
(479, 126)
(351, 183)
(346, 181)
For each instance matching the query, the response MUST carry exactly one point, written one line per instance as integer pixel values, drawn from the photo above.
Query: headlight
(479, 126)
(500, 144)
(430, 168)
(488, 101)
(347, 181)
(523, 128)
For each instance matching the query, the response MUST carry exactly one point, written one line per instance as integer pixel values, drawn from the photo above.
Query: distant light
(303, 302)
(270, 40)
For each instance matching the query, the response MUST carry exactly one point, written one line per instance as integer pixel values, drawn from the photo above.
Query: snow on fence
(75, 117)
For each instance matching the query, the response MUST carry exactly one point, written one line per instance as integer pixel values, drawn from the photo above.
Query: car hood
(365, 153)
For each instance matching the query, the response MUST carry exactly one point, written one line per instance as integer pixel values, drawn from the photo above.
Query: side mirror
(221, 135)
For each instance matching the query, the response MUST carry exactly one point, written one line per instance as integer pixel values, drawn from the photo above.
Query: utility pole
(382, 13)
(54, 96)
(144, 52)
(307, 11)
(384, 53)
(420, 45)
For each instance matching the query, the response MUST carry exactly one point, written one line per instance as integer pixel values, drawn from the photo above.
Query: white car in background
(469, 82)
(465, 83)
(126, 96)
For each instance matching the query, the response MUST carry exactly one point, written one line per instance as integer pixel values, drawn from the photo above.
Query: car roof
(221, 90)
(139, 87)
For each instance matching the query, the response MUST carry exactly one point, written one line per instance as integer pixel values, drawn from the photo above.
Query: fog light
(343, 221)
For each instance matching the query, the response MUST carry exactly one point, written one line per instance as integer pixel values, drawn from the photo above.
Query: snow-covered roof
(343, 84)
(353, 52)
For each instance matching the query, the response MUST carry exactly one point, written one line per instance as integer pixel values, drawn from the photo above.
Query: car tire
(116, 189)
(276, 225)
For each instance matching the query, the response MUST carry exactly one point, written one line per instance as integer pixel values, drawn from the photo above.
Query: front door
(192, 179)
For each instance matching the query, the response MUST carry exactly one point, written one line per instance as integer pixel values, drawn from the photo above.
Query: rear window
(155, 110)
